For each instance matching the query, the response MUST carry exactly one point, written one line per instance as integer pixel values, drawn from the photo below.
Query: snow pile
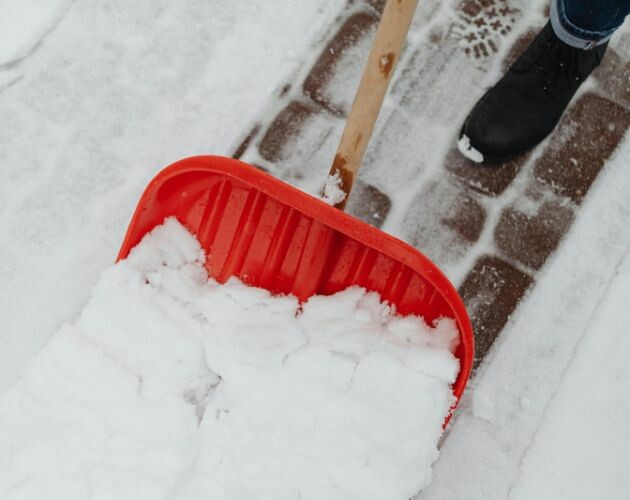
(170, 385)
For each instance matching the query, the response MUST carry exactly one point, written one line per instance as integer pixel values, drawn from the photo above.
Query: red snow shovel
(271, 235)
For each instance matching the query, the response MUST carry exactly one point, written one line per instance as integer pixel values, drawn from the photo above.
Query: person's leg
(527, 103)
(587, 23)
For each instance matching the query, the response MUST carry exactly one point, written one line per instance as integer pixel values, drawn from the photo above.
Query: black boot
(527, 103)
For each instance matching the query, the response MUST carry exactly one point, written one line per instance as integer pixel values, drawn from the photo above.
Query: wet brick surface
(285, 127)
(369, 204)
(530, 238)
(240, 150)
(340, 50)
(444, 221)
(613, 78)
(379, 5)
(491, 292)
(487, 179)
(578, 149)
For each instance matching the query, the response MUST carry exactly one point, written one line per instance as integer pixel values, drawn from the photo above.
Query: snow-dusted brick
(379, 5)
(335, 75)
(578, 149)
(368, 203)
(613, 77)
(444, 221)
(491, 292)
(491, 180)
(244, 145)
(530, 231)
(300, 144)
(284, 128)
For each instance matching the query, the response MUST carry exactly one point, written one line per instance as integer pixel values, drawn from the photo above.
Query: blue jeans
(587, 23)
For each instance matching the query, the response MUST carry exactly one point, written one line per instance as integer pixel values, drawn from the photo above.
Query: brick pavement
(491, 229)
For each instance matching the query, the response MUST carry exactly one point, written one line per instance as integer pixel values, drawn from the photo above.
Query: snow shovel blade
(274, 236)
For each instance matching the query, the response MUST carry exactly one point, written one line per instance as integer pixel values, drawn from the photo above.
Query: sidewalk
(490, 229)
(109, 92)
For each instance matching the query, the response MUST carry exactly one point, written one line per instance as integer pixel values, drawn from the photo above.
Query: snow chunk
(468, 151)
(171, 385)
(333, 194)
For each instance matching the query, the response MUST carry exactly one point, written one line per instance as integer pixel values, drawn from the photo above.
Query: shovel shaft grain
(389, 40)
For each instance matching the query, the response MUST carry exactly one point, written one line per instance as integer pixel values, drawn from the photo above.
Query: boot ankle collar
(561, 27)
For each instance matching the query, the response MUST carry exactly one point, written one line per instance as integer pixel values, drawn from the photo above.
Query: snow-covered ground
(591, 401)
(97, 96)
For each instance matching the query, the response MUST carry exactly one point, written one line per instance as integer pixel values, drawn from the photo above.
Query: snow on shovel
(273, 236)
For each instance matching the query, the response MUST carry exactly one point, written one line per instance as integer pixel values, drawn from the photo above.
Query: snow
(23, 24)
(99, 95)
(8, 77)
(466, 148)
(170, 385)
(590, 409)
(333, 194)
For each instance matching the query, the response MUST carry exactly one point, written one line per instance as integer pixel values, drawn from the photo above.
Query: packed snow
(170, 385)
(333, 194)
(467, 149)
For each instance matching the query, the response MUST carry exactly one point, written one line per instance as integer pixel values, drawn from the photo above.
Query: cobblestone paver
(490, 228)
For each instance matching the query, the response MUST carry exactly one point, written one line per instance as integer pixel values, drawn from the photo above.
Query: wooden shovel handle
(389, 40)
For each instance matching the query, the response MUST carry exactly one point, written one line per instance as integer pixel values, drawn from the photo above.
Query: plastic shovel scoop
(271, 235)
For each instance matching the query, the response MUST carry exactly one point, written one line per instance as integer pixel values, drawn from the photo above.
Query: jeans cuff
(571, 34)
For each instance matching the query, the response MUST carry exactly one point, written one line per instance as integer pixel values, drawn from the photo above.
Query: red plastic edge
(334, 218)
